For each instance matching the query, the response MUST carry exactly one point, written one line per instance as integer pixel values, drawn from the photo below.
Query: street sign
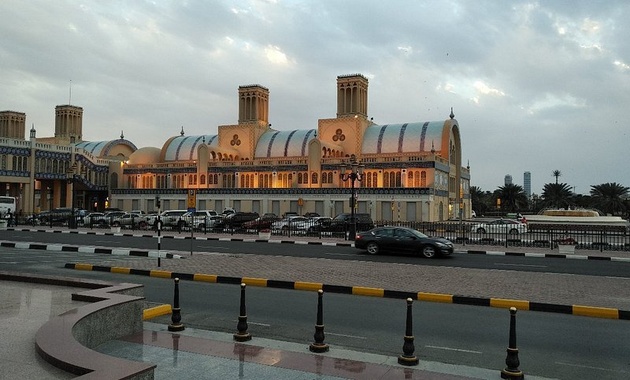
(192, 200)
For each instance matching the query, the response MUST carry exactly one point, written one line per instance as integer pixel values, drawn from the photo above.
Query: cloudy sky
(535, 86)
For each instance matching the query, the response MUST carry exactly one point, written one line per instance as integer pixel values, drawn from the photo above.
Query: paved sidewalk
(196, 354)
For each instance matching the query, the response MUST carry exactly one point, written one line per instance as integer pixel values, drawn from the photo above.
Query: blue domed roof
(284, 143)
(102, 148)
(403, 138)
(184, 148)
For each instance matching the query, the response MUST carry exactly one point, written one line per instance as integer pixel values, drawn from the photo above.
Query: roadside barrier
(408, 357)
(242, 335)
(511, 371)
(319, 345)
(176, 317)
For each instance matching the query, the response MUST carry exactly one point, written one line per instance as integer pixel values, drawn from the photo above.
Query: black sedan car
(402, 239)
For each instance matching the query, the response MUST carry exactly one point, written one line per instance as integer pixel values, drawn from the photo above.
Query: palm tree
(513, 197)
(609, 197)
(556, 173)
(557, 195)
(479, 200)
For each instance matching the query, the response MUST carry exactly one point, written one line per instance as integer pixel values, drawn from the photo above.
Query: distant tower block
(12, 124)
(352, 95)
(253, 104)
(68, 122)
(527, 184)
(508, 179)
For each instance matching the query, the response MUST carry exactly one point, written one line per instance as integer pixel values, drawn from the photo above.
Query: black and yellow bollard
(511, 371)
(408, 357)
(319, 345)
(176, 317)
(242, 335)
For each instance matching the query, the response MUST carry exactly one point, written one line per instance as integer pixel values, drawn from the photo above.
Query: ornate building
(412, 171)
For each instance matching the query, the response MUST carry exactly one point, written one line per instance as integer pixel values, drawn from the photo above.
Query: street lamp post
(355, 174)
(50, 204)
(71, 179)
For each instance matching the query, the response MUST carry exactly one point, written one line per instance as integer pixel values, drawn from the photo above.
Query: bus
(7, 204)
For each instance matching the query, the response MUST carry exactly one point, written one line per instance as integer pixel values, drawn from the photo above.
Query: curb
(547, 255)
(84, 249)
(156, 311)
(581, 310)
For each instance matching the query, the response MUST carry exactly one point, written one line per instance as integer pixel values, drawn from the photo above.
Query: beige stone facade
(413, 171)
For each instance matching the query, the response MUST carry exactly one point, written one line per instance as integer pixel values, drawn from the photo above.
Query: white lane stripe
(455, 349)
(591, 367)
(257, 323)
(520, 265)
(346, 336)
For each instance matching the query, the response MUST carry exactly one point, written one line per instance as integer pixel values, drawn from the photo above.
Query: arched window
(202, 179)
(314, 178)
(423, 179)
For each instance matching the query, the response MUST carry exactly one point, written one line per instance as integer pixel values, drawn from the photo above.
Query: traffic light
(158, 203)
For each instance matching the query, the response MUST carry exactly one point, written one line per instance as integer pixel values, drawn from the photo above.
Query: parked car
(95, 219)
(313, 225)
(130, 220)
(168, 218)
(236, 220)
(288, 223)
(111, 216)
(341, 222)
(199, 219)
(402, 239)
(60, 215)
(500, 226)
(262, 223)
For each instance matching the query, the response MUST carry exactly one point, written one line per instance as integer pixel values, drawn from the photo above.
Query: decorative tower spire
(432, 148)
(452, 115)
(182, 131)
(122, 135)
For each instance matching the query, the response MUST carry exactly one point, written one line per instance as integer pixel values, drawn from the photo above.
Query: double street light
(355, 174)
(71, 177)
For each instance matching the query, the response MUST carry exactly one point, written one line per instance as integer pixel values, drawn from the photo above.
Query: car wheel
(514, 231)
(142, 225)
(201, 227)
(372, 248)
(428, 251)
(116, 224)
(481, 231)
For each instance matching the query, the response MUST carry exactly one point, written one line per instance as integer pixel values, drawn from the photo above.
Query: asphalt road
(551, 345)
(524, 264)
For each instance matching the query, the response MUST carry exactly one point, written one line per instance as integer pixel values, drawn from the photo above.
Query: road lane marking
(591, 367)
(259, 324)
(339, 254)
(520, 265)
(346, 336)
(213, 247)
(455, 349)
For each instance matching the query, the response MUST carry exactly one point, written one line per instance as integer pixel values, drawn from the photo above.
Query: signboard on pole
(192, 200)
